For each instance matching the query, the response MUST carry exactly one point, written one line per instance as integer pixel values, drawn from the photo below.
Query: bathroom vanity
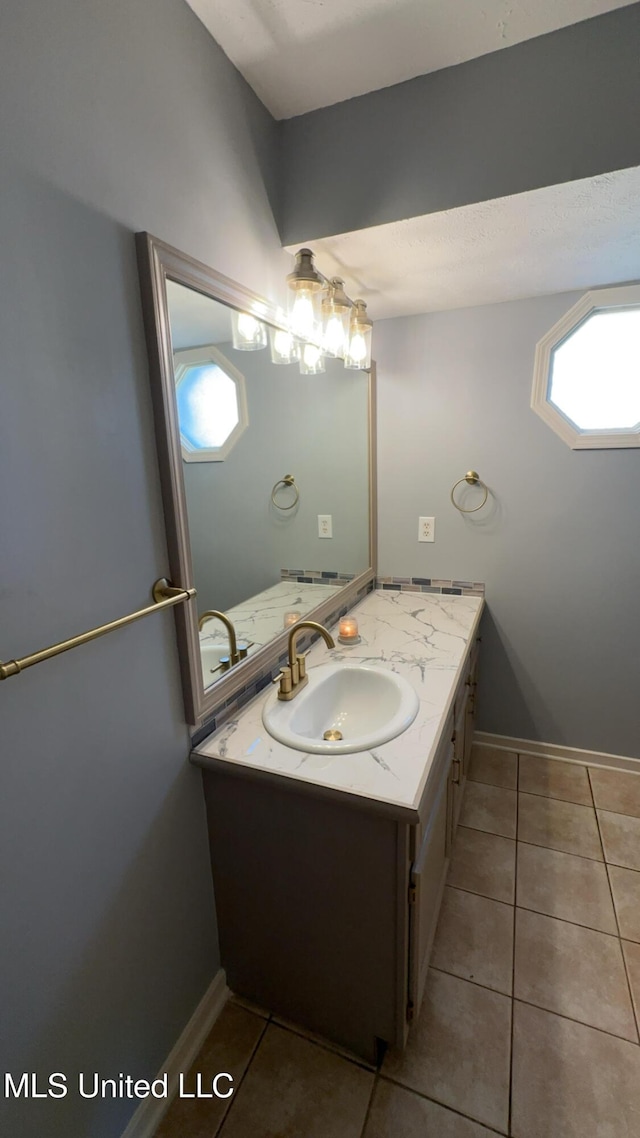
(328, 869)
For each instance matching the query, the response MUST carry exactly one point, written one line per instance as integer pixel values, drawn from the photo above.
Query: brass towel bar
(164, 596)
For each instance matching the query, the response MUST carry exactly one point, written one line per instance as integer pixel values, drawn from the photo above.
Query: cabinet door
(470, 719)
(425, 890)
(458, 770)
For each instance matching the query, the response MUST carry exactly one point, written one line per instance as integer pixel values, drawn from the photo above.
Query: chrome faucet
(234, 655)
(294, 677)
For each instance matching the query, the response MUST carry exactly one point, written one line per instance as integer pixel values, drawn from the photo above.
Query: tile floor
(529, 1025)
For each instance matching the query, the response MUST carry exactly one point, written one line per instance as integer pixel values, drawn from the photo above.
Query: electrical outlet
(325, 525)
(426, 529)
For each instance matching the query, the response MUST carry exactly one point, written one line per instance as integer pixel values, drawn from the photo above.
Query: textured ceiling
(298, 55)
(573, 236)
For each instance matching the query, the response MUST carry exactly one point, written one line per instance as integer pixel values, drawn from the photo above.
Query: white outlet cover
(325, 525)
(426, 529)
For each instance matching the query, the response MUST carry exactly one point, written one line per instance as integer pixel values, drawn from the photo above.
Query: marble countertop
(423, 637)
(260, 618)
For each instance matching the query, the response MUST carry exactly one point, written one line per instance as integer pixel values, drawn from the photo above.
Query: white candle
(348, 630)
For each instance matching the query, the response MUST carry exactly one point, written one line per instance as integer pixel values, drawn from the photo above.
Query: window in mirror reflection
(211, 399)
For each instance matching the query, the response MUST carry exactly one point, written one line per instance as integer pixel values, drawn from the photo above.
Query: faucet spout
(233, 644)
(312, 624)
(294, 677)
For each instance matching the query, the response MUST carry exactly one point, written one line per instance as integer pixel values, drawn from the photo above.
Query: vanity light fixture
(358, 352)
(248, 333)
(321, 321)
(321, 313)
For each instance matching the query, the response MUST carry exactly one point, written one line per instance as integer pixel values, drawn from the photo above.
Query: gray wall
(314, 427)
(549, 110)
(559, 550)
(114, 117)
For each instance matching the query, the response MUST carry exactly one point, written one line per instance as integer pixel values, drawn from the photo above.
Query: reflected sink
(211, 655)
(366, 705)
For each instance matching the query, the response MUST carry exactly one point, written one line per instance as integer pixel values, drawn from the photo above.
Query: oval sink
(366, 706)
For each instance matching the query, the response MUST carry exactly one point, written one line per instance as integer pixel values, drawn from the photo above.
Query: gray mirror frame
(158, 262)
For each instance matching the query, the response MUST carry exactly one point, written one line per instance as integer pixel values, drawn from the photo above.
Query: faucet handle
(284, 679)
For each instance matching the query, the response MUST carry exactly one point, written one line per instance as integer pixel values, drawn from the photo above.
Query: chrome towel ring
(472, 478)
(288, 480)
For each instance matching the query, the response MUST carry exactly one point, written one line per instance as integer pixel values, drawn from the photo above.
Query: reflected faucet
(234, 655)
(294, 677)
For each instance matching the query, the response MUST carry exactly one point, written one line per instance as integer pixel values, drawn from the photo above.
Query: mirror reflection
(276, 472)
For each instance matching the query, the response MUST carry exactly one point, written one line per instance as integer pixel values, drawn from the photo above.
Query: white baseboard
(148, 1115)
(554, 751)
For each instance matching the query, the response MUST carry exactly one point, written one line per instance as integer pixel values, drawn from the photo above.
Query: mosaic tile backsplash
(316, 576)
(432, 585)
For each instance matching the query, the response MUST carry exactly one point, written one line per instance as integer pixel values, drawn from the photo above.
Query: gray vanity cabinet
(327, 904)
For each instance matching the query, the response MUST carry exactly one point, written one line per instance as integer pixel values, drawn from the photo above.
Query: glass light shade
(311, 359)
(358, 353)
(305, 288)
(284, 348)
(335, 311)
(248, 333)
(304, 312)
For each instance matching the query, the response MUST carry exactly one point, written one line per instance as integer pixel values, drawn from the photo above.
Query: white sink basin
(367, 705)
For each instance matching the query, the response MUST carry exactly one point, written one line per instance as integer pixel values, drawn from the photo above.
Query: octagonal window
(587, 372)
(211, 402)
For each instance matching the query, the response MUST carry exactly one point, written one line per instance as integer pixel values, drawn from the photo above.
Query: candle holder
(291, 618)
(348, 630)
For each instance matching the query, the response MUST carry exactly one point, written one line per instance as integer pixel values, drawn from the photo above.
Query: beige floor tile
(228, 1047)
(554, 779)
(620, 838)
(573, 971)
(571, 1081)
(616, 790)
(474, 940)
(489, 808)
(558, 825)
(563, 885)
(294, 1088)
(320, 1039)
(257, 1009)
(494, 767)
(398, 1113)
(484, 863)
(632, 957)
(459, 1050)
(625, 884)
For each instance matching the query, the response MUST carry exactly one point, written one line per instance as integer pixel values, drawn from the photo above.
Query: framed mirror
(268, 475)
